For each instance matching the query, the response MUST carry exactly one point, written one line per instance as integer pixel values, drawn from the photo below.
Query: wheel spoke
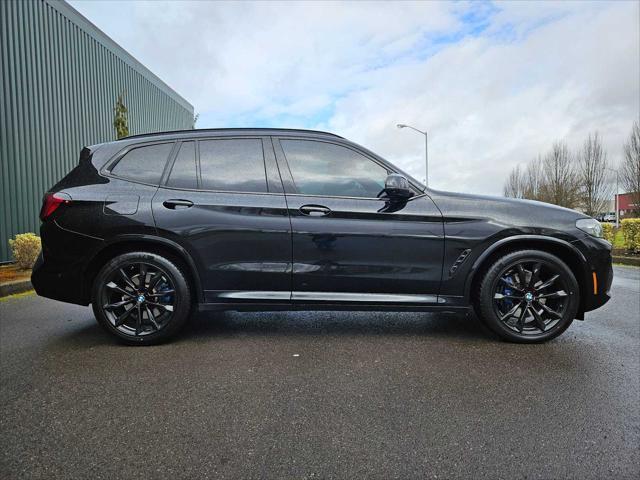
(111, 306)
(168, 308)
(123, 316)
(548, 282)
(500, 296)
(126, 279)
(539, 320)
(152, 319)
(522, 276)
(551, 312)
(558, 294)
(511, 285)
(154, 280)
(523, 314)
(161, 294)
(535, 275)
(139, 320)
(143, 275)
(113, 286)
(510, 313)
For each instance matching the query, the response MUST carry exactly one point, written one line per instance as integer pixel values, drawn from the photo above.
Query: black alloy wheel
(529, 296)
(142, 298)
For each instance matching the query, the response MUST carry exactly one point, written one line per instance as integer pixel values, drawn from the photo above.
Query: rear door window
(143, 164)
(234, 165)
(183, 173)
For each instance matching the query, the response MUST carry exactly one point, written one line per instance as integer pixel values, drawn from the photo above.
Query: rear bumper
(59, 270)
(57, 284)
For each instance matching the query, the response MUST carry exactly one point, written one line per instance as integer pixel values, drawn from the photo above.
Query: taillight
(51, 202)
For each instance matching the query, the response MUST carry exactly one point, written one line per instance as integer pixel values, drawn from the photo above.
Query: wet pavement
(320, 395)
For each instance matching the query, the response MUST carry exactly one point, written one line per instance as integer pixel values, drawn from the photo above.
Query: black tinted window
(183, 174)
(144, 164)
(327, 169)
(233, 164)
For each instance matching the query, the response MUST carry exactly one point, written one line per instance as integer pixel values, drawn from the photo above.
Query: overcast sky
(494, 83)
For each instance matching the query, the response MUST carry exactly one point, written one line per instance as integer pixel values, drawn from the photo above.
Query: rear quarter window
(143, 164)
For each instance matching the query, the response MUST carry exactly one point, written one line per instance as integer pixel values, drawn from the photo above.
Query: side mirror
(397, 187)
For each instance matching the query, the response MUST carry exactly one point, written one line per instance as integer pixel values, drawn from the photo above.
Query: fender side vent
(459, 261)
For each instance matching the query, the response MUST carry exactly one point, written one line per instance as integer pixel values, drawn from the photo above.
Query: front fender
(574, 257)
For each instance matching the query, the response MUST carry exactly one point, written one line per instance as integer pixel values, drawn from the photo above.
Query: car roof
(231, 132)
(110, 148)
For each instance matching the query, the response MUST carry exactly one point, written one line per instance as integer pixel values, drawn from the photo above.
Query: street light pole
(426, 150)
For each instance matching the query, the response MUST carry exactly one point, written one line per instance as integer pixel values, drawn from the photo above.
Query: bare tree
(630, 168)
(533, 181)
(560, 182)
(592, 168)
(525, 182)
(514, 187)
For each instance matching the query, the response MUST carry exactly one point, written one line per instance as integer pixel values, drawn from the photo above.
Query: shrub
(25, 248)
(631, 233)
(608, 232)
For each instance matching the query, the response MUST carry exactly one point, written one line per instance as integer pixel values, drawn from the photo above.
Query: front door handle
(175, 204)
(315, 210)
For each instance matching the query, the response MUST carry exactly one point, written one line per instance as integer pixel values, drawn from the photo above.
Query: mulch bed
(10, 273)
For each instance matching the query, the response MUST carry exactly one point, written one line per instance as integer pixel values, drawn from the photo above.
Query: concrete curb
(624, 260)
(18, 286)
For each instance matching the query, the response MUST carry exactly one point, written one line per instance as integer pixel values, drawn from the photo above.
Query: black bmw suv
(150, 228)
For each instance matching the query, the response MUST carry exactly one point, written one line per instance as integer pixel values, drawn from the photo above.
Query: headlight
(590, 226)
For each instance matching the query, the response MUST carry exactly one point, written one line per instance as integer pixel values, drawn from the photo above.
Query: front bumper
(598, 271)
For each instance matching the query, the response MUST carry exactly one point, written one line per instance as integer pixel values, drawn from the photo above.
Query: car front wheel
(528, 296)
(142, 298)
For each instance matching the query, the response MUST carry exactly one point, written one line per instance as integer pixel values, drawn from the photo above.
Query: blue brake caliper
(161, 288)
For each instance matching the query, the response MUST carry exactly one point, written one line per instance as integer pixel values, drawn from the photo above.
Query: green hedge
(631, 233)
(608, 232)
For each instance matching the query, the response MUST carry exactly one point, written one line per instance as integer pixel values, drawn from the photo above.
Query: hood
(506, 211)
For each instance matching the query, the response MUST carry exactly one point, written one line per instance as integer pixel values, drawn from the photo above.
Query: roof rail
(244, 129)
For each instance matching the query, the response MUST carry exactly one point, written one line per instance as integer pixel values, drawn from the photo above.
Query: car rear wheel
(528, 296)
(142, 298)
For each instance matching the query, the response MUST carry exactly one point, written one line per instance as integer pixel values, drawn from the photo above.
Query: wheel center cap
(528, 297)
(140, 298)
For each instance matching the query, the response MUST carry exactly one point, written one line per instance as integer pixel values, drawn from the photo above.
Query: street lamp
(426, 150)
(617, 199)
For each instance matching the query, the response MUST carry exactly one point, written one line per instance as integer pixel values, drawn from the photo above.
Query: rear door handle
(315, 210)
(175, 204)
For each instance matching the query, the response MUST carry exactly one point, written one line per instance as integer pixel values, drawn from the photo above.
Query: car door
(348, 244)
(222, 200)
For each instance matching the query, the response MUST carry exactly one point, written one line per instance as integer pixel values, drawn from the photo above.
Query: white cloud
(540, 71)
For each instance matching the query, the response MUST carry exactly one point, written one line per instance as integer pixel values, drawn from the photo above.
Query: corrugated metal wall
(60, 80)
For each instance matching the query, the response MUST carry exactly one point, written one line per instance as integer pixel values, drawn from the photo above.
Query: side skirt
(271, 307)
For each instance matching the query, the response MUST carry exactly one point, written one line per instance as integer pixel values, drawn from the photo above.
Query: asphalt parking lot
(320, 395)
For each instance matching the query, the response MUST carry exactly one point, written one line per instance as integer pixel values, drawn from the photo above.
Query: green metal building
(61, 77)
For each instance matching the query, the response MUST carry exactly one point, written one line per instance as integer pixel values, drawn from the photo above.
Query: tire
(522, 309)
(142, 298)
